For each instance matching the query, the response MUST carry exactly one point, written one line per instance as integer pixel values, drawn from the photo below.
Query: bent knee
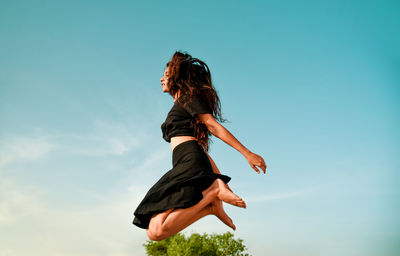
(156, 235)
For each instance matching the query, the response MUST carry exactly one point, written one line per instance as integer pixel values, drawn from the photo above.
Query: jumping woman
(194, 187)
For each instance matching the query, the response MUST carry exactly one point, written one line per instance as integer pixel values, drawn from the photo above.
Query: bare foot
(217, 209)
(228, 196)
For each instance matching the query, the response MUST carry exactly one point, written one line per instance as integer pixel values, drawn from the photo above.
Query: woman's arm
(222, 133)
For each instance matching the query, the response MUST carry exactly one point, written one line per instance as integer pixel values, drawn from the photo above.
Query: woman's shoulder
(189, 98)
(195, 104)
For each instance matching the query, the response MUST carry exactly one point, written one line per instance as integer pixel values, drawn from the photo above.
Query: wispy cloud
(18, 201)
(17, 148)
(104, 139)
(284, 195)
(101, 228)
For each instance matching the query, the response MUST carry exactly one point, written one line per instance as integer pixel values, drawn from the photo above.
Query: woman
(194, 187)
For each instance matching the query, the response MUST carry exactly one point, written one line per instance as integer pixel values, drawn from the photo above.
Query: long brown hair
(191, 76)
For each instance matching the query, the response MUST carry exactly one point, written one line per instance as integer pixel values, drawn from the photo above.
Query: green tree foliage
(197, 245)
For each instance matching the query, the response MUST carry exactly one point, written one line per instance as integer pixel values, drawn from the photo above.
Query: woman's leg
(214, 208)
(170, 222)
(218, 210)
(159, 232)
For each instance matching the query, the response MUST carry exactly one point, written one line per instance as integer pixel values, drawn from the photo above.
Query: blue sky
(312, 86)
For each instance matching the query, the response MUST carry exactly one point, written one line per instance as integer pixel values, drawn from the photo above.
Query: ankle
(209, 209)
(217, 187)
(212, 191)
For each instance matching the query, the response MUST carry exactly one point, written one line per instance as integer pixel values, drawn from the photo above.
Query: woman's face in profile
(164, 81)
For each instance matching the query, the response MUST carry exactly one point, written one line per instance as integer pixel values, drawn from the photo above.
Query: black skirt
(180, 187)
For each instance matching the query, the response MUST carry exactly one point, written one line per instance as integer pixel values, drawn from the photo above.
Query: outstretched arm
(222, 133)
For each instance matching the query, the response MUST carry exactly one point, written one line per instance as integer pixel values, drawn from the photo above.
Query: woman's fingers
(261, 163)
(258, 161)
(263, 166)
(255, 168)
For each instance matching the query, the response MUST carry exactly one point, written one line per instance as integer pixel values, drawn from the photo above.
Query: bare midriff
(176, 140)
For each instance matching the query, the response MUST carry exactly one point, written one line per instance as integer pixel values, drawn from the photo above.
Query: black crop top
(179, 118)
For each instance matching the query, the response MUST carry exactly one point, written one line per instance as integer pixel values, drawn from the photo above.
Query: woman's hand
(256, 160)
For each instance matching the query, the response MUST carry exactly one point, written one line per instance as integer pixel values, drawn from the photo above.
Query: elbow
(213, 129)
(212, 125)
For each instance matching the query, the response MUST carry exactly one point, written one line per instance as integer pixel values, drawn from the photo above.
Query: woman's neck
(176, 96)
